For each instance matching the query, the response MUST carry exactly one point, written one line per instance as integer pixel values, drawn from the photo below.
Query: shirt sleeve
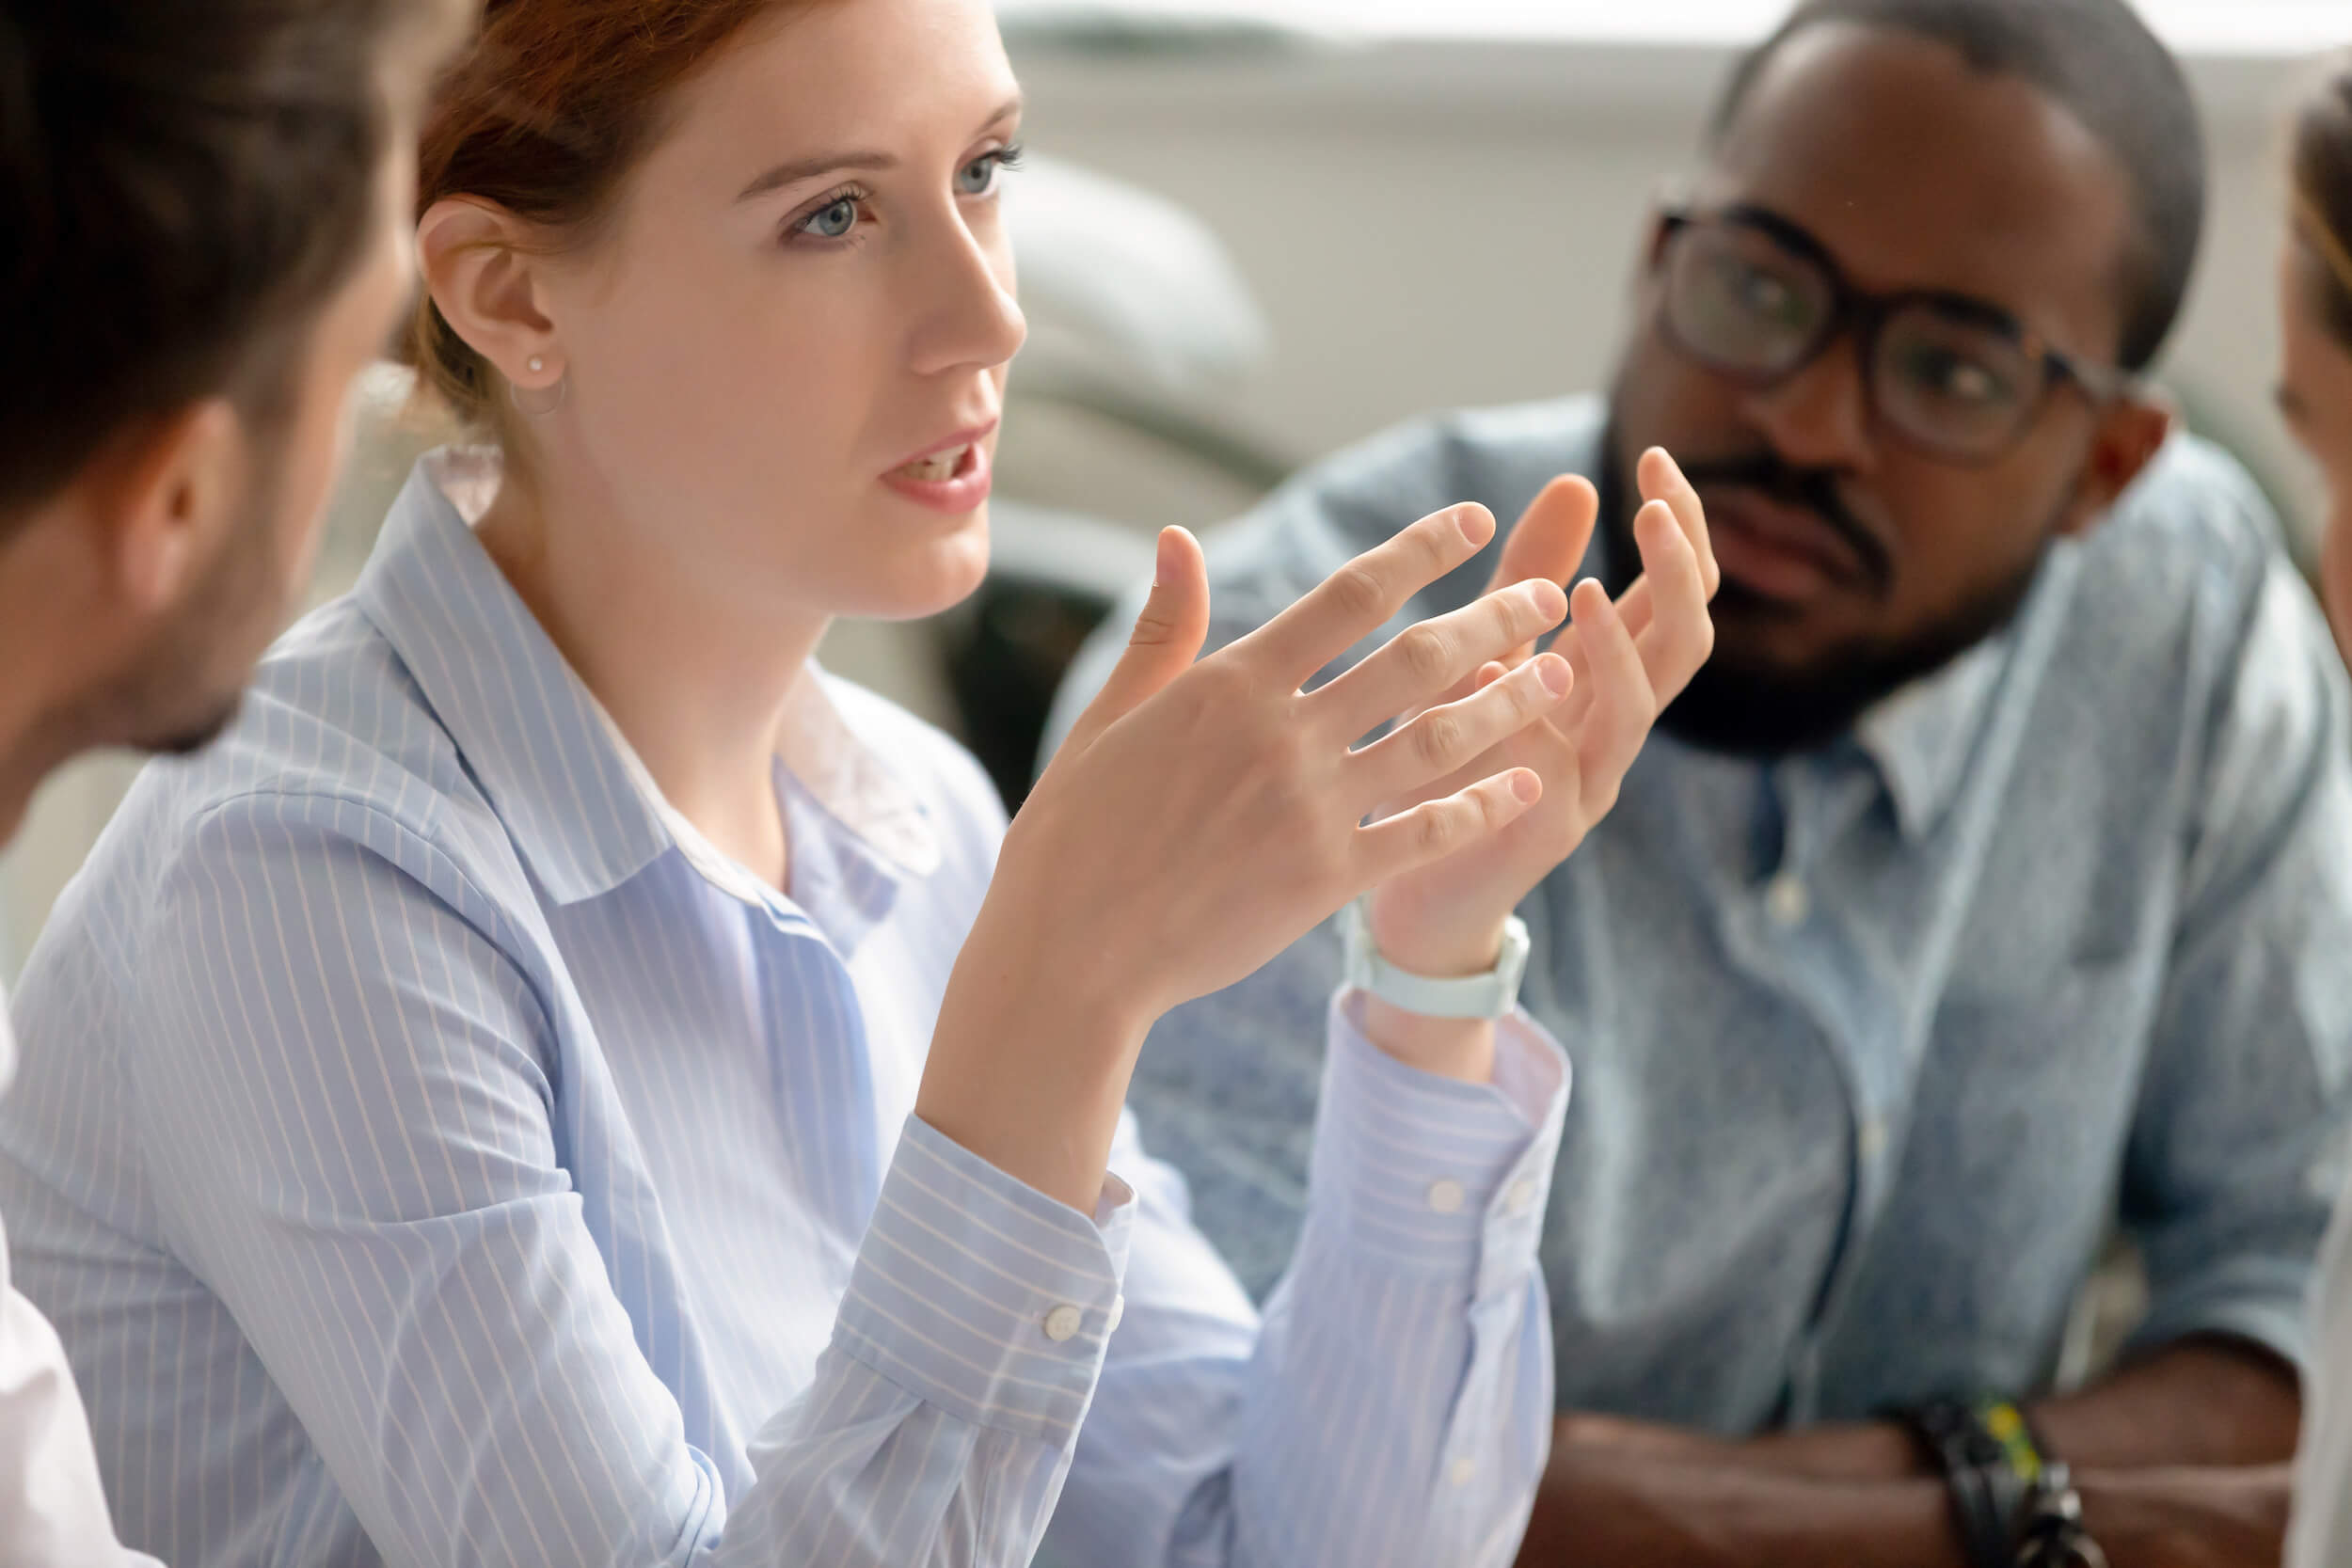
(2237, 1144)
(1395, 1404)
(346, 1094)
(53, 1511)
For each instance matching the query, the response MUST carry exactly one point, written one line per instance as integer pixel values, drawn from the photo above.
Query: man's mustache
(1813, 490)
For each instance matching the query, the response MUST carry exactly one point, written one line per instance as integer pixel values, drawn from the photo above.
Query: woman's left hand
(1631, 660)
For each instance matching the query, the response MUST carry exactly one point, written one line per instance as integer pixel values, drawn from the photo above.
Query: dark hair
(553, 104)
(2323, 190)
(182, 186)
(2098, 59)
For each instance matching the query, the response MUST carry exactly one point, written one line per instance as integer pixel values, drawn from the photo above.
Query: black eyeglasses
(1754, 297)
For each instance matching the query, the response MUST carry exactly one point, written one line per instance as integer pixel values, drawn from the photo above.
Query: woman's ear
(2132, 430)
(487, 283)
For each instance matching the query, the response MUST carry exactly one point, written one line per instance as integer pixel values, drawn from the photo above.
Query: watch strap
(1988, 1497)
(1492, 995)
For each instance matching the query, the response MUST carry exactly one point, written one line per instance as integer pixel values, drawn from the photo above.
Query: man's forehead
(1919, 171)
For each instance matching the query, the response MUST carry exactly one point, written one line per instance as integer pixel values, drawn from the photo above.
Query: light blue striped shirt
(433, 1153)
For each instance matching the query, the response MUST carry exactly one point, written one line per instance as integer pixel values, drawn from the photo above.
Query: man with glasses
(1989, 894)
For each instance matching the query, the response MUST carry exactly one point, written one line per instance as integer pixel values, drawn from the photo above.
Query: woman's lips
(954, 479)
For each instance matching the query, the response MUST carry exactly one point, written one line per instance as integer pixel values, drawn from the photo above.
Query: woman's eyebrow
(804, 169)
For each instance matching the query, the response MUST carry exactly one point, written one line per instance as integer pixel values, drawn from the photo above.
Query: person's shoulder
(2194, 537)
(334, 744)
(1461, 454)
(335, 719)
(1362, 495)
(2188, 605)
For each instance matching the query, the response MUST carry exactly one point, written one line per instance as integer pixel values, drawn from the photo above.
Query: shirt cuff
(1432, 1175)
(977, 1293)
(2260, 1300)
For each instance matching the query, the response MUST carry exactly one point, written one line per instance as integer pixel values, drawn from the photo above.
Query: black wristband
(1988, 1498)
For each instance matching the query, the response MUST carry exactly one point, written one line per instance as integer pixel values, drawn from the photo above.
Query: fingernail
(1553, 671)
(1164, 561)
(1472, 523)
(1527, 788)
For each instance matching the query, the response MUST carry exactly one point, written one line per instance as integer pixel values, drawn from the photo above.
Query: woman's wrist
(1031, 1061)
(1441, 946)
(1457, 1048)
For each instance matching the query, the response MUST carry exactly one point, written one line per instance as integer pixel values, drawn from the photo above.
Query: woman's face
(786, 357)
(2316, 394)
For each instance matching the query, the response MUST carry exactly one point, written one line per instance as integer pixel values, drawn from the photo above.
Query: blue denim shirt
(1875, 1046)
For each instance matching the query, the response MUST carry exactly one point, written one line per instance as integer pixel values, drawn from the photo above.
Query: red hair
(545, 114)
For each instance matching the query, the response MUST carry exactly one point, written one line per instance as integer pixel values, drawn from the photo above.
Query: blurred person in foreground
(203, 205)
(1990, 890)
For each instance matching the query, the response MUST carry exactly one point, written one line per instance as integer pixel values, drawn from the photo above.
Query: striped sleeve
(1395, 1406)
(940, 1426)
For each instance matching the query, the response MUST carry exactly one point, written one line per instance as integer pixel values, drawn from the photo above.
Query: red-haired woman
(569, 1083)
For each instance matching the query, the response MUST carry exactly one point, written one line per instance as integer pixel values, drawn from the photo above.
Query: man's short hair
(180, 186)
(2097, 59)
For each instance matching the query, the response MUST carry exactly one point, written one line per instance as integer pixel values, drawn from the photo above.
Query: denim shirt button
(1788, 901)
(1871, 1140)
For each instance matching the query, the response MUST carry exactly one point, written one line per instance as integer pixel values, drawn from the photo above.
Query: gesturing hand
(1630, 658)
(1201, 817)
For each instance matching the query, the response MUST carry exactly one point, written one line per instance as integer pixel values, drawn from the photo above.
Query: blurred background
(1257, 230)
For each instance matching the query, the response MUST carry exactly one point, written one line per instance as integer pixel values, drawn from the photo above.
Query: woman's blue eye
(978, 177)
(832, 220)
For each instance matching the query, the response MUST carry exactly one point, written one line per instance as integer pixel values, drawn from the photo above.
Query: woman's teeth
(939, 467)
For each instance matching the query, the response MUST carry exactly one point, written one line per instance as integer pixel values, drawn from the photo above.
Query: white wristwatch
(1493, 994)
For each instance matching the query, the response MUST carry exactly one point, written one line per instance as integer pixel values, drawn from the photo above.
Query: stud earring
(538, 364)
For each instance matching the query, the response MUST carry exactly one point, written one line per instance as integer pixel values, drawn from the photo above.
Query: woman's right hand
(1203, 817)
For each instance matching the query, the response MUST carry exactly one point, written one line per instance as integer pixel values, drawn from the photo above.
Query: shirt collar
(1924, 737)
(578, 804)
(1921, 736)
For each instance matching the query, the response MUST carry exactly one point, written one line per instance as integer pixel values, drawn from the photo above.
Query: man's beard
(187, 685)
(1750, 710)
